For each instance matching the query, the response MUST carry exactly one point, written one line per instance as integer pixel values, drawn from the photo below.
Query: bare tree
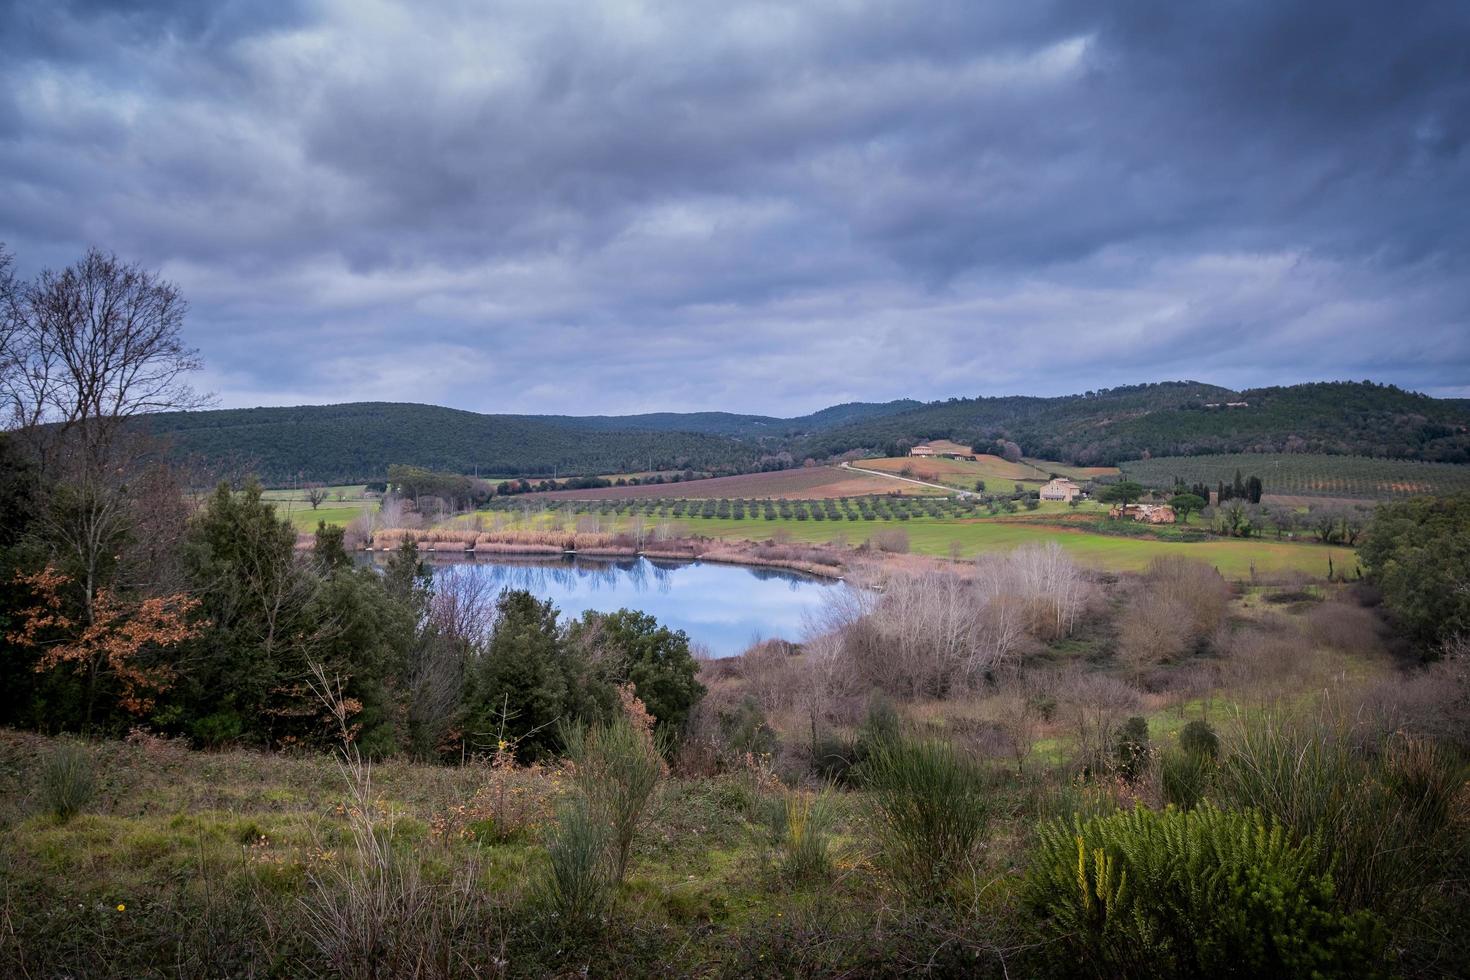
(91, 346)
(85, 351)
(316, 495)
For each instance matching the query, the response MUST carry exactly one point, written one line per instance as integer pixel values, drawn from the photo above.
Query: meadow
(343, 504)
(962, 473)
(1307, 475)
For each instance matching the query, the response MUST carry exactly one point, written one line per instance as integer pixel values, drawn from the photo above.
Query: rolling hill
(357, 442)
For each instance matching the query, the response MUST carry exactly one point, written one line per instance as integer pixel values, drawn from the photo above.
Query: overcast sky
(607, 207)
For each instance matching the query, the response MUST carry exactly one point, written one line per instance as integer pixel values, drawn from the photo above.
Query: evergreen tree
(517, 688)
(654, 658)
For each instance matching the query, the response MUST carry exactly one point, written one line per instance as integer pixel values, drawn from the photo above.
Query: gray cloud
(638, 206)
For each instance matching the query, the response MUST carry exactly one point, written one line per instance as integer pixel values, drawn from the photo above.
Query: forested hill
(355, 442)
(1180, 419)
(730, 424)
(359, 441)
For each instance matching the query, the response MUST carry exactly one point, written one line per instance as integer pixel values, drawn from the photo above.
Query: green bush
(743, 729)
(68, 783)
(1199, 739)
(579, 886)
(932, 812)
(800, 828)
(1385, 813)
(1185, 777)
(618, 766)
(217, 729)
(1130, 748)
(1203, 893)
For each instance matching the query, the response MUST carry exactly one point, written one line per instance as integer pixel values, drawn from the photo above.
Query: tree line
(126, 601)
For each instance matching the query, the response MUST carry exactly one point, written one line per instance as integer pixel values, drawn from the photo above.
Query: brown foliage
(114, 640)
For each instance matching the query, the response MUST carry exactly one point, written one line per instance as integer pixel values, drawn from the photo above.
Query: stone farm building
(1060, 489)
(942, 448)
(1147, 513)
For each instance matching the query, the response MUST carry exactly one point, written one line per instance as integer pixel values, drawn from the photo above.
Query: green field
(1308, 475)
(1233, 557)
(942, 537)
(292, 503)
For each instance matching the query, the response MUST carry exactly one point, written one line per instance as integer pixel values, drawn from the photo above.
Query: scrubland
(1018, 768)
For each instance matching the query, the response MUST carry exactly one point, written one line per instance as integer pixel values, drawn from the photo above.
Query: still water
(724, 608)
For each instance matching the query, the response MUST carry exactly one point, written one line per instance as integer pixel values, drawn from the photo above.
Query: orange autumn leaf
(119, 632)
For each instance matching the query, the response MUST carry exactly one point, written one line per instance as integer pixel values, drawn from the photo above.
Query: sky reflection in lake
(723, 607)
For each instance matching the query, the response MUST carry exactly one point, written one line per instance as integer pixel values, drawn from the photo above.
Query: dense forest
(358, 442)
(355, 442)
(1182, 419)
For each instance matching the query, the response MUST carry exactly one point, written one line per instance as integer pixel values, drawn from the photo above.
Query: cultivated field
(959, 472)
(1307, 475)
(950, 536)
(808, 483)
(1078, 473)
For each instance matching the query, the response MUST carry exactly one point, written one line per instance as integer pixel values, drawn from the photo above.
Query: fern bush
(933, 808)
(1207, 892)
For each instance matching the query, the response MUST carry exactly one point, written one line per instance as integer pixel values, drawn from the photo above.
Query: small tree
(1185, 504)
(112, 643)
(1123, 493)
(316, 494)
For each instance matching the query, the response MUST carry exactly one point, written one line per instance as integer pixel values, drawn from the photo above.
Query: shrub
(800, 826)
(579, 885)
(1184, 777)
(743, 729)
(617, 769)
(68, 783)
(892, 541)
(1130, 748)
(932, 812)
(1203, 893)
(1199, 739)
(1385, 815)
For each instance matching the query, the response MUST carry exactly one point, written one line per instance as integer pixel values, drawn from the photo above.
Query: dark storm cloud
(622, 206)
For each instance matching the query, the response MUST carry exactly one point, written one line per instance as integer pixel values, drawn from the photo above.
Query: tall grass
(932, 811)
(1385, 815)
(68, 783)
(579, 886)
(374, 913)
(800, 825)
(617, 768)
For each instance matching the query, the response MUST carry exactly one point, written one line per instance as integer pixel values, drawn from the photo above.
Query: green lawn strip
(929, 536)
(306, 519)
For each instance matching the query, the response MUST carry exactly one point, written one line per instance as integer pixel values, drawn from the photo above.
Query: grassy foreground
(217, 864)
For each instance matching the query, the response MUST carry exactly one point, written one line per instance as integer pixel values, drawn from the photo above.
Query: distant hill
(1182, 418)
(729, 424)
(355, 442)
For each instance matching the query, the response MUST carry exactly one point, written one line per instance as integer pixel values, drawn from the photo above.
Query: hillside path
(907, 479)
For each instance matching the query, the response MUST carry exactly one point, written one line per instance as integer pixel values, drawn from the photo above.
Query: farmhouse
(1060, 489)
(943, 448)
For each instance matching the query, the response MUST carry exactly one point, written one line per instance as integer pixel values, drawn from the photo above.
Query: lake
(724, 608)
